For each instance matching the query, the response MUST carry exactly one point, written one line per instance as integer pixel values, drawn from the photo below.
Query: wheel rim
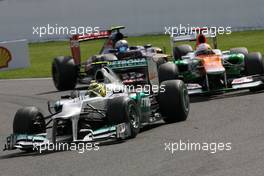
(133, 116)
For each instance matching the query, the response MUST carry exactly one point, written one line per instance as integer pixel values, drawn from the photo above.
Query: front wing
(34, 142)
(246, 82)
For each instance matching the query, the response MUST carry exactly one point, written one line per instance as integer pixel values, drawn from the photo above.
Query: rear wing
(94, 36)
(103, 34)
(193, 35)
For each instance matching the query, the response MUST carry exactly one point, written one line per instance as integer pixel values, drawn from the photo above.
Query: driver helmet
(121, 46)
(203, 47)
(96, 89)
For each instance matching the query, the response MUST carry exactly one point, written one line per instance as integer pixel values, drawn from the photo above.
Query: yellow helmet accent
(96, 89)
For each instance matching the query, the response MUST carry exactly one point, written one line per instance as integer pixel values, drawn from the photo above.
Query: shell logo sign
(5, 57)
(14, 54)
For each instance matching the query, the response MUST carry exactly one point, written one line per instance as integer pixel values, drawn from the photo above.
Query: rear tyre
(124, 110)
(29, 120)
(64, 73)
(254, 64)
(168, 71)
(174, 101)
(242, 50)
(181, 50)
(161, 61)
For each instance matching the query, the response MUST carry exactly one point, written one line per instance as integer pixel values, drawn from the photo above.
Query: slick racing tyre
(254, 65)
(124, 110)
(174, 101)
(181, 50)
(29, 120)
(64, 73)
(160, 61)
(168, 71)
(241, 50)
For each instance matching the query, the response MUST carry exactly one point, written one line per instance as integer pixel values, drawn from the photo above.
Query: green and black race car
(207, 70)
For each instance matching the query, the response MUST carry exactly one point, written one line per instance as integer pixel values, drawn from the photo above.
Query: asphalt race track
(234, 118)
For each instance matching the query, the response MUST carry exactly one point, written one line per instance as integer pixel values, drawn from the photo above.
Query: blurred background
(17, 17)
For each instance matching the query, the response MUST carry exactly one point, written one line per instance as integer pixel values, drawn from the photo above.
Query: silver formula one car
(106, 110)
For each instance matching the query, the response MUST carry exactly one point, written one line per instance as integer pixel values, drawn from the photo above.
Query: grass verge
(42, 54)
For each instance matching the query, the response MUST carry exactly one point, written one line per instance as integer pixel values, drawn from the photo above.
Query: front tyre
(174, 101)
(29, 120)
(254, 65)
(124, 110)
